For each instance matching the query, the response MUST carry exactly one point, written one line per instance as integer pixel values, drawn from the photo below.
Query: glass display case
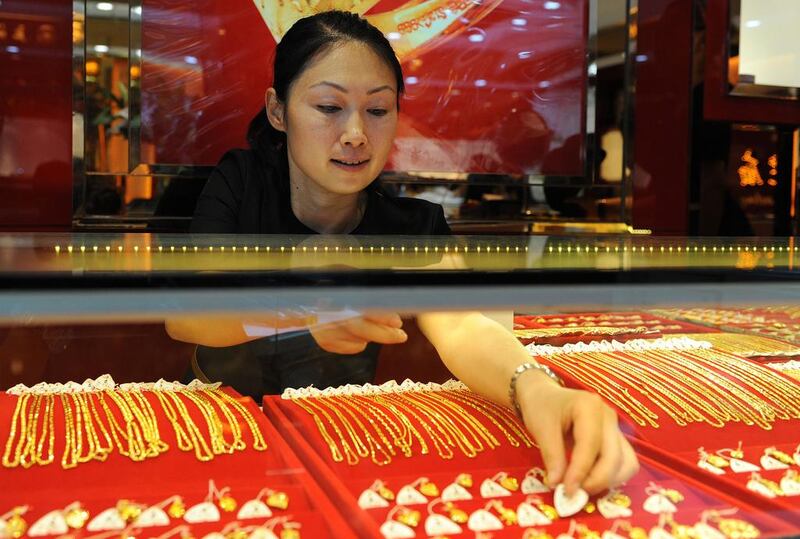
(116, 425)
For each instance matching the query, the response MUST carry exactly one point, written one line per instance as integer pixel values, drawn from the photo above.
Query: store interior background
(672, 150)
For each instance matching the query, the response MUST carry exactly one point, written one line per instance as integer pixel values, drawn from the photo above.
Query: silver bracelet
(512, 388)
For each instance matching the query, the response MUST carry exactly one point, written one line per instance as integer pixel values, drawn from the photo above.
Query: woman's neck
(322, 211)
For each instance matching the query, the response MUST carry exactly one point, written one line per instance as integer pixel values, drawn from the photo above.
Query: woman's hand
(352, 336)
(601, 456)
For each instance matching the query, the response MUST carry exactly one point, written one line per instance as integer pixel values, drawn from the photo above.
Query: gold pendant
(716, 460)
(76, 517)
(278, 500)
(177, 508)
(619, 498)
(465, 480)
(385, 493)
(227, 503)
(429, 489)
(735, 528)
(779, 455)
(672, 495)
(16, 525)
(128, 511)
(509, 483)
(409, 517)
(457, 515)
(290, 533)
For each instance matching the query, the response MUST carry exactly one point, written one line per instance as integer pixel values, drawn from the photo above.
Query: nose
(353, 134)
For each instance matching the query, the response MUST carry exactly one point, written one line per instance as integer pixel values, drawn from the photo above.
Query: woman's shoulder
(409, 216)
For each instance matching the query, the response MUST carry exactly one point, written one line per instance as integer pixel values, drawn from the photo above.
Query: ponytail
(269, 145)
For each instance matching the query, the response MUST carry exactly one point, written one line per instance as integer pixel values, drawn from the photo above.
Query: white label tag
(757, 486)
(742, 466)
(262, 533)
(254, 509)
(659, 533)
(532, 485)
(769, 463)
(202, 512)
(790, 487)
(707, 466)
(491, 489)
(370, 499)
(657, 504)
(408, 495)
(612, 510)
(483, 521)
(455, 492)
(52, 523)
(566, 506)
(440, 525)
(528, 515)
(106, 520)
(152, 516)
(392, 529)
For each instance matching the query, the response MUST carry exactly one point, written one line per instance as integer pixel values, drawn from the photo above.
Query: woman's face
(341, 119)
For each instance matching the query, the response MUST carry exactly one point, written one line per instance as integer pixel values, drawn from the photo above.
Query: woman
(330, 122)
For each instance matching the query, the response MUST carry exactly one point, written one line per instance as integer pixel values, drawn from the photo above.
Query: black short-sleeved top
(243, 196)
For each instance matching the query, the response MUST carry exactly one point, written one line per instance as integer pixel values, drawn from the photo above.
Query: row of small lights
(245, 249)
(670, 249)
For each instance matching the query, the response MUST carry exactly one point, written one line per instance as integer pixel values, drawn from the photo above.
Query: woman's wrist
(529, 384)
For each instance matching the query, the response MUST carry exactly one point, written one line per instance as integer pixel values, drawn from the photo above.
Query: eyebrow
(344, 90)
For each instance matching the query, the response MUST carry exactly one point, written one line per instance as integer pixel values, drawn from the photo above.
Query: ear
(276, 111)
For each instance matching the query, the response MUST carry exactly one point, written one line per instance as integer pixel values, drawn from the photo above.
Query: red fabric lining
(98, 485)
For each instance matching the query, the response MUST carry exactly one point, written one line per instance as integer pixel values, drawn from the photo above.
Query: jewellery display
(93, 430)
(789, 368)
(661, 500)
(60, 521)
(373, 421)
(565, 505)
(457, 490)
(438, 524)
(763, 486)
(533, 483)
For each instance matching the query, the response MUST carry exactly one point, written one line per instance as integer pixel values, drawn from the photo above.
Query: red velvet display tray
(344, 483)
(99, 485)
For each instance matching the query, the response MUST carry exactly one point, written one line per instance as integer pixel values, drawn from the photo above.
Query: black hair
(306, 39)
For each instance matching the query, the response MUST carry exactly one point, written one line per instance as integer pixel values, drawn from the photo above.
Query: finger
(392, 320)
(550, 439)
(605, 469)
(587, 431)
(630, 463)
(342, 346)
(370, 331)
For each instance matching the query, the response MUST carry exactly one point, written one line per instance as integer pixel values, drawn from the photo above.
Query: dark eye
(378, 112)
(328, 109)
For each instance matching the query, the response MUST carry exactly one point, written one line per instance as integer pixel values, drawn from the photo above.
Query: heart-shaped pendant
(455, 492)
(742, 466)
(533, 485)
(370, 499)
(202, 512)
(509, 483)
(528, 515)
(429, 489)
(409, 517)
(657, 504)
(254, 509)
(152, 516)
(440, 525)
(483, 521)
(702, 530)
(569, 505)
(408, 495)
(611, 510)
(278, 500)
(109, 519)
(770, 463)
(490, 489)
(392, 529)
(703, 464)
(52, 523)
(465, 479)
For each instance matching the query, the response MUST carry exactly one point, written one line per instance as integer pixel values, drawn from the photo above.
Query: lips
(350, 162)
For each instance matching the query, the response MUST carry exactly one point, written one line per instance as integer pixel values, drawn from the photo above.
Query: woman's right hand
(352, 336)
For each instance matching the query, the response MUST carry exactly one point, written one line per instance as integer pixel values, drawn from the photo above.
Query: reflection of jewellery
(12, 524)
(437, 524)
(732, 528)
(566, 506)
(615, 504)
(764, 486)
(60, 521)
(661, 500)
(376, 495)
